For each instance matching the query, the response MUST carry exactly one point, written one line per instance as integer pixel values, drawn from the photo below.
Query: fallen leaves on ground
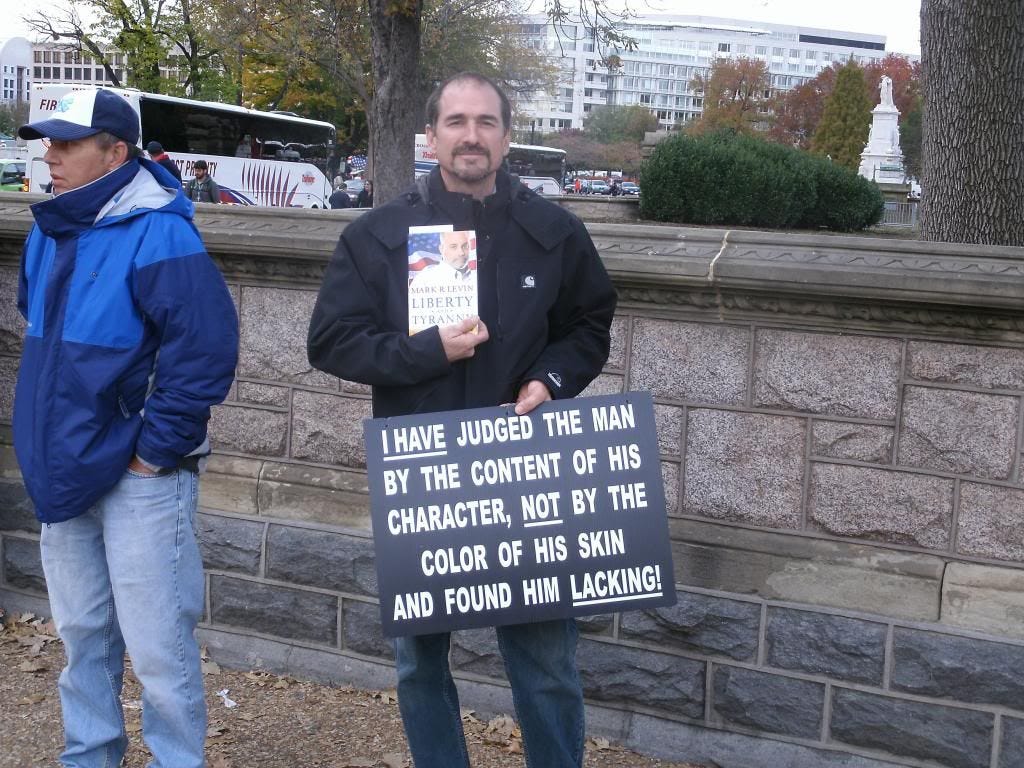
(278, 721)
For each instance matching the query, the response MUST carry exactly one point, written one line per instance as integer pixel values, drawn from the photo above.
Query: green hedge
(729, 179)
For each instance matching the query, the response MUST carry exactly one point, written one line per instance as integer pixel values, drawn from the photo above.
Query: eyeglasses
(46, 141)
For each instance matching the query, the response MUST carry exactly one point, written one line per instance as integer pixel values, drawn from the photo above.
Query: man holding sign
(545, 307)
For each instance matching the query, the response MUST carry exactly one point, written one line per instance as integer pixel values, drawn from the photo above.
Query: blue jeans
(127, 575)
(540, 660)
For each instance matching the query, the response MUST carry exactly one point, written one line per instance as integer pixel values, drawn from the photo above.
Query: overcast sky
(898, 20)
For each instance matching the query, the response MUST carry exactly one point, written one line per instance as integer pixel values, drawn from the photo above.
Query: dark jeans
(540, 660)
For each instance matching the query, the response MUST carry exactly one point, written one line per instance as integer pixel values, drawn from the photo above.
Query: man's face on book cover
(455, 248)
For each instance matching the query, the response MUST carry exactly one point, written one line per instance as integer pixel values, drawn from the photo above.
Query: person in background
(365, 198)
(202, 189)
(157, 155)
(131, 338)
(339, 197)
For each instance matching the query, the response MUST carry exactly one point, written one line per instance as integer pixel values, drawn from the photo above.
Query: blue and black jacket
(132, 336)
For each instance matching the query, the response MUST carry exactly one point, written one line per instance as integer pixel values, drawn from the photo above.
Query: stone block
(476, 651)
(356, 388)
(262, 394)
(1011, 752)
(960, 668)
(17, 513)
(600, 624)
(328, 429)
(820, 644)
(361, 629)
(22, 567)
(844, 375)
(243, 429)
(312, 558)
(847, 440)
(691, 362)
(895, 507)
(991, 522)
(670, 483)
(231, 484)
(744, 467)
(280, 611)
(229, 544)
(966, 364)
(957, 738)
(961, 432)
(315, 494)
(604, 384)
(8, 378)
(617, 350)
(272, 346)
(704, 624)
(984, 598)
(778, 566)
(12, 324)
(768, 702)
(635, 678)
(669, 422)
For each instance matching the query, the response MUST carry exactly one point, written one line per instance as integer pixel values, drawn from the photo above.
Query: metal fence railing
(899, 215)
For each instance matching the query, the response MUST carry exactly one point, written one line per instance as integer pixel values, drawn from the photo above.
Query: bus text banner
(483, 518)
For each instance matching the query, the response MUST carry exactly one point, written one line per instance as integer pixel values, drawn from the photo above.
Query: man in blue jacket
(132, 336)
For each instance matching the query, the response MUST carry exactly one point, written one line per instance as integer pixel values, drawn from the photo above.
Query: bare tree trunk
(972, 58)
(395, 30)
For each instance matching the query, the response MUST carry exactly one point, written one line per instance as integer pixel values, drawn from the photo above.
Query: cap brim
(61, 130)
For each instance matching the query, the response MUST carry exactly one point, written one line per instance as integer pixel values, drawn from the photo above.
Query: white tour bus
(540, 168)
(256, 158)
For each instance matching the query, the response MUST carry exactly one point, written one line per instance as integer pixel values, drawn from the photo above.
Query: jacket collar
(137, 185)
(542, 220)
(71, 212)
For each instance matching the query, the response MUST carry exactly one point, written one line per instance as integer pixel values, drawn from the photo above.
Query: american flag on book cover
(425, 250)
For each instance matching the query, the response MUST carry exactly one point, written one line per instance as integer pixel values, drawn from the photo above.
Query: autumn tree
(582, 151)
(972, 57)
(845, 120)
(797, 112)
(608, 125)
(736, 95)
(12, 116)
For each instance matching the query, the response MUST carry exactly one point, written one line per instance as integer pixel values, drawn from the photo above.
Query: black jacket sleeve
(359, 331)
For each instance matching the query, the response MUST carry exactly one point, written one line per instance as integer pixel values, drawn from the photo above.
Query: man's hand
(531, 394)
(460, 341)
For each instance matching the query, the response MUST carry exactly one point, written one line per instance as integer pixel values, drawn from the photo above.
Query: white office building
(671, 51)
(15, 73)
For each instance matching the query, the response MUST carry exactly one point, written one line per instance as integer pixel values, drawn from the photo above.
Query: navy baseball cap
(86, 113)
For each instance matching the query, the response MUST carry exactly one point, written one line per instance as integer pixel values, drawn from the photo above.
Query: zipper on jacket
(124, 407)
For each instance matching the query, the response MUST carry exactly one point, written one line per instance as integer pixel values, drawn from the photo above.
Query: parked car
(599, 188)
(12, 174)
(630, 188)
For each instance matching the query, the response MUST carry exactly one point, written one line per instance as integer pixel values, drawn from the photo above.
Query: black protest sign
(482, 517)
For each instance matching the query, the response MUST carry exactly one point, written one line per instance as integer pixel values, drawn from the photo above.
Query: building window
(645, 98)
(46, 72)
(46, 57)
(761, 50)
(37, 57)
(37, 72)
(87, 73)
(67, 73)
(723, 48)
(777, 52)
(99, 74)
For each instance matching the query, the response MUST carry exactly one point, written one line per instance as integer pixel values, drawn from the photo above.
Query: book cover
(442, 276)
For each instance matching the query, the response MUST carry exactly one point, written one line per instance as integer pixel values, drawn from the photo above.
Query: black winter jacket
(542, 292)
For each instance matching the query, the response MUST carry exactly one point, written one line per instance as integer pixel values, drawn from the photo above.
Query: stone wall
(840, 425)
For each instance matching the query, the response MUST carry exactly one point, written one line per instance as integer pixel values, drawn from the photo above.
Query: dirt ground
(255, 718)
